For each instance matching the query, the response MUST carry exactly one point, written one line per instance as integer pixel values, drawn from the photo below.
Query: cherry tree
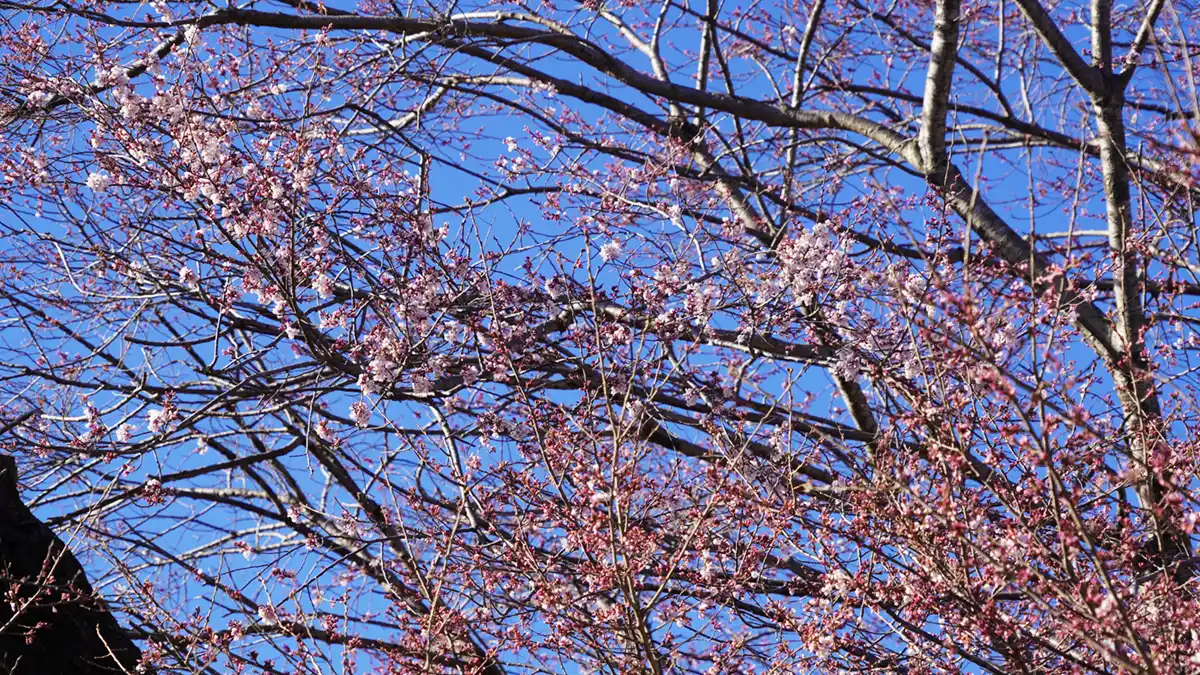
(666, 337)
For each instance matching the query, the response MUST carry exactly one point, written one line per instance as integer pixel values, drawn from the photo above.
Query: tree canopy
(689, 336)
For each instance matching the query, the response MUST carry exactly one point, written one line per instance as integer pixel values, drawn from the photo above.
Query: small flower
(610, 251)
(361, 414)
(323, 431)
(323, 285)
(555, 287)
(153, 492)
(163, 10)
(246, 549)
(159, 419)
(421, 385)
(470, 376)
(268, 614)
(116, 76)
(187, 277)
(99, 181)
(37, 99)
(511, 144)
(125, 432)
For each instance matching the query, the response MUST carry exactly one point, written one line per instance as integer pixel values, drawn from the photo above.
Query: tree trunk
(50, 619)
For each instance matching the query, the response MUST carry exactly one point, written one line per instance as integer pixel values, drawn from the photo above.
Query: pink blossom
(360, 413)
(323, 431)
(268, 615)
(323, 285)
(125, 432)
(421, 385)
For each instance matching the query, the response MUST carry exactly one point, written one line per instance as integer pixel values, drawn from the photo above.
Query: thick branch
(1088, 77)
(938, 79)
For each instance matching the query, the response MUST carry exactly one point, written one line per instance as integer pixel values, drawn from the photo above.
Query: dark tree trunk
(51, 621)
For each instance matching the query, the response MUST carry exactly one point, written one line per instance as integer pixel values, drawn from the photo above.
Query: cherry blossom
(610, 251)
(361, 413)
(99, 181)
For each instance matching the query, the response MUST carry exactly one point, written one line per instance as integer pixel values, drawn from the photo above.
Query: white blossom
(157, 420)
(99, 181)
(610, 251)
(268, 614)
(125, 432)
(187, 277)
(555, 288)
(37, 99)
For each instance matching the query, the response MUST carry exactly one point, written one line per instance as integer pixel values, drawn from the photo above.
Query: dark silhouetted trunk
(50, 619)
